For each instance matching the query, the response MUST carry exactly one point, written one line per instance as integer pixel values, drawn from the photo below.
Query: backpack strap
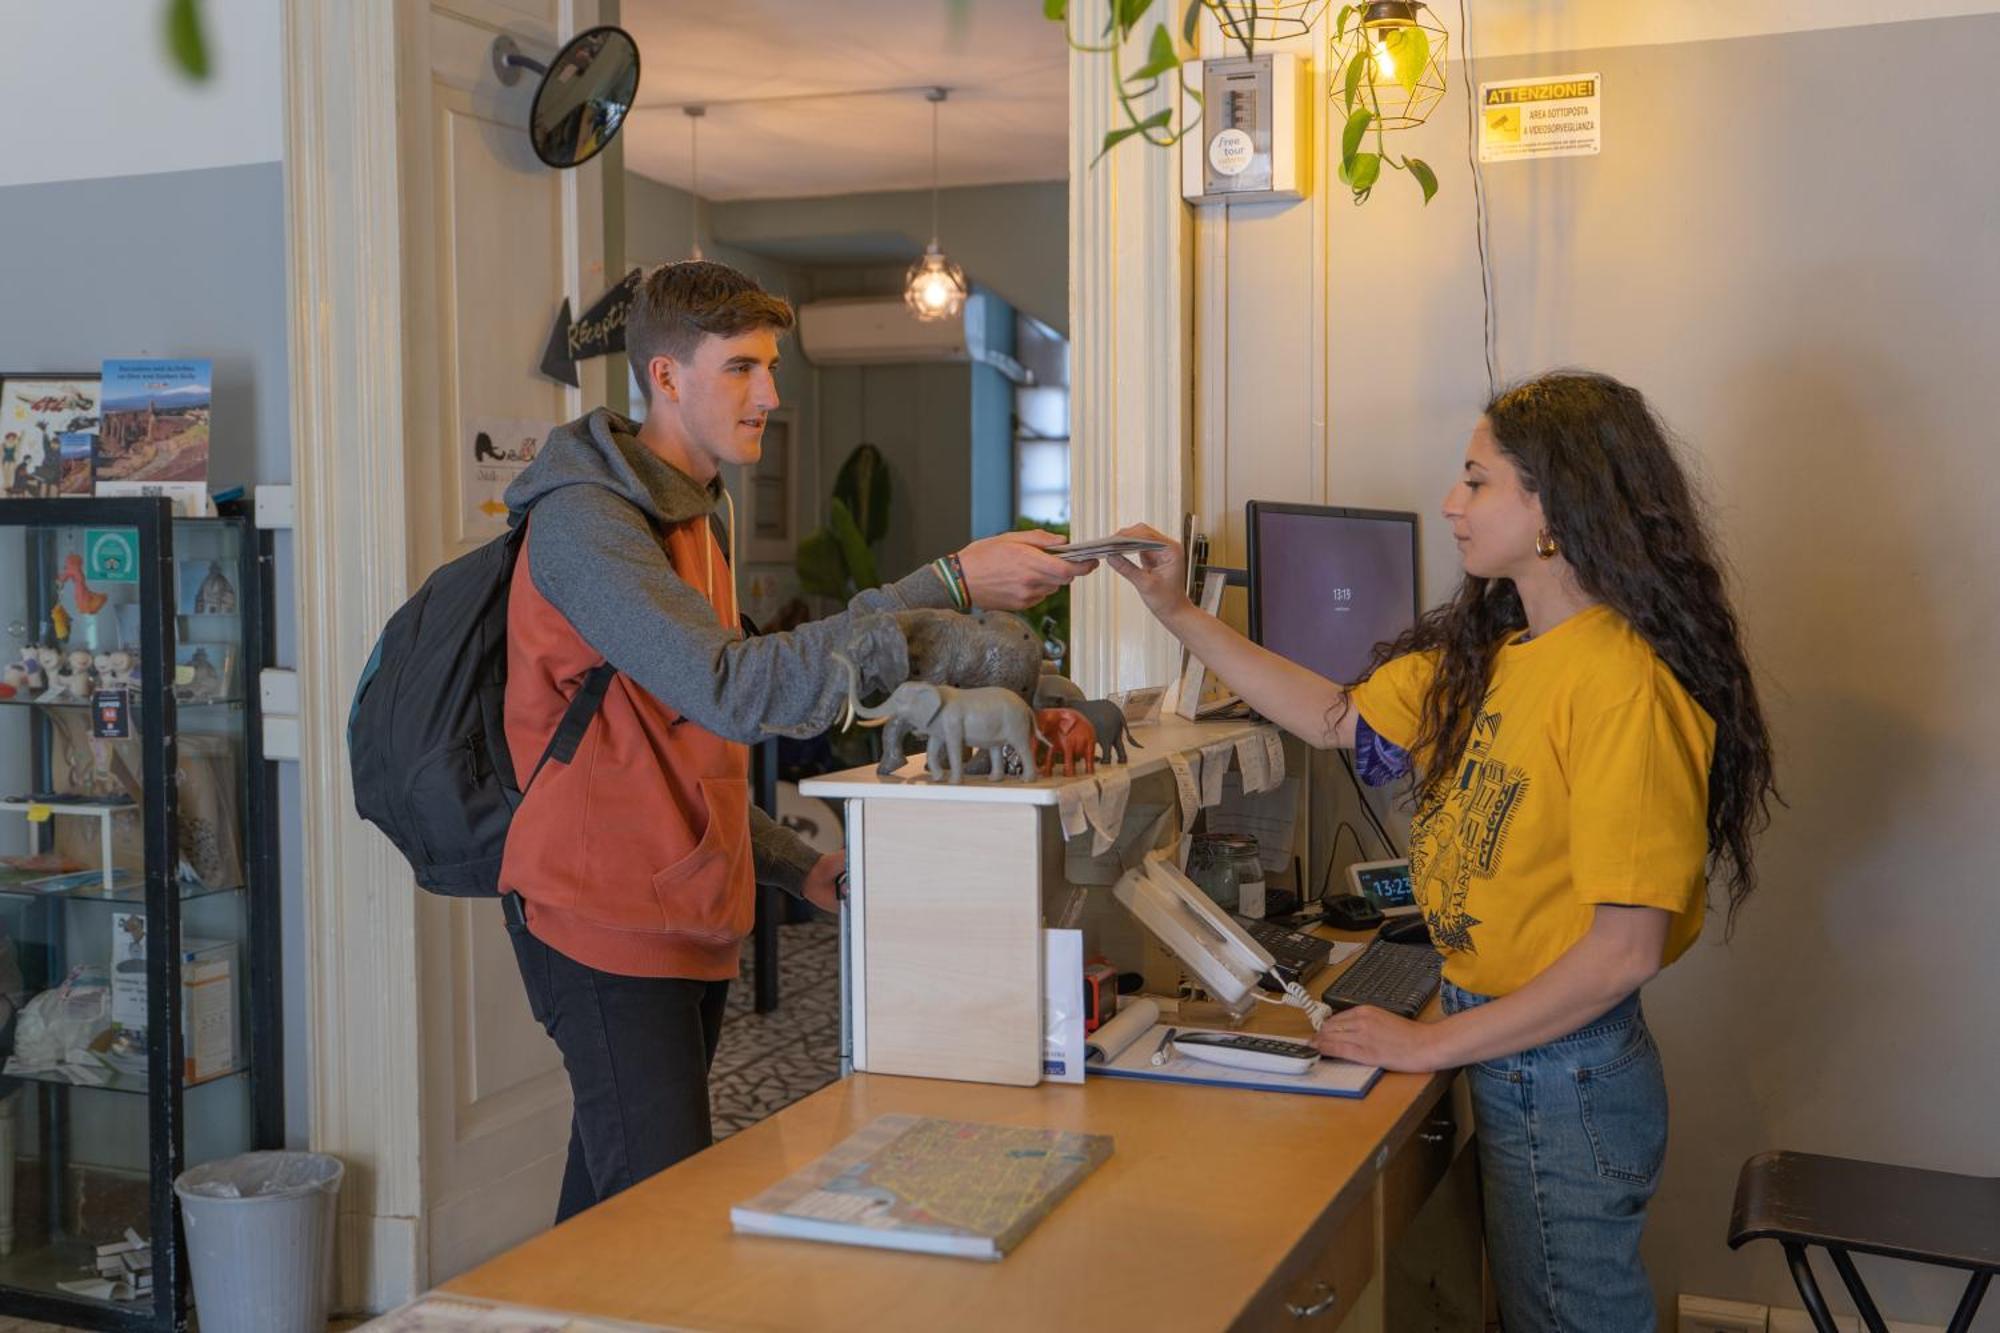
(575, 720)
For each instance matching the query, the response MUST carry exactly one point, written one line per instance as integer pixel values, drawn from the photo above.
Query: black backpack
(424, 736)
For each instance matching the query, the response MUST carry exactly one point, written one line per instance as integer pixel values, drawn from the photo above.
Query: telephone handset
(1203, 936)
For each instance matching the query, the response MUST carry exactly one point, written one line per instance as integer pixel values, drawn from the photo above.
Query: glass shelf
(113, 1080)
(183, 705)
(12, 887)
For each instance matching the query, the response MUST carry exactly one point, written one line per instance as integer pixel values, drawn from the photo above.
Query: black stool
(1928, 1217)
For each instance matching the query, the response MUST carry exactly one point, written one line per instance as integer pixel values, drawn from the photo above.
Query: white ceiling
(1005, 119)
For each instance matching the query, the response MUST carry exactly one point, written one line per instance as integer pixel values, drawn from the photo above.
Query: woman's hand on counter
(1371, 1036)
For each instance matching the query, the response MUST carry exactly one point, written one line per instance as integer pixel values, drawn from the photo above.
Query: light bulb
(934, 288)
(1385, 62)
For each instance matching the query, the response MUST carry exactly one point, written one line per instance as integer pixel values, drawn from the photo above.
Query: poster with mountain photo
(155, 434)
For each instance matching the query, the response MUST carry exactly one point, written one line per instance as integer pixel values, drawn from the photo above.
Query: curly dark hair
(1621, 509)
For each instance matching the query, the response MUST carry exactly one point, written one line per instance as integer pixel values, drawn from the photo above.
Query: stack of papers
(1103, 546)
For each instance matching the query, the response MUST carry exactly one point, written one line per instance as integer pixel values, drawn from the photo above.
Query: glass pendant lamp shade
(935, 288)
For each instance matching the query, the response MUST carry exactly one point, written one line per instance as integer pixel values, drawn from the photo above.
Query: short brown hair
(680, 304)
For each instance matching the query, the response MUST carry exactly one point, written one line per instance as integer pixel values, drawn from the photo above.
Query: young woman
(1585, 748)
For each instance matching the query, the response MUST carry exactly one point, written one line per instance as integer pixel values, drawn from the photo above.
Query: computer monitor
(1327, 584)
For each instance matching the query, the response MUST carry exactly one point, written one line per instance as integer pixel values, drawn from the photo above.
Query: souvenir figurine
(216, 596)
(88, 602)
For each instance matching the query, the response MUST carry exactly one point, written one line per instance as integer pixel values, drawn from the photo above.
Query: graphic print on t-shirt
(1462, 835)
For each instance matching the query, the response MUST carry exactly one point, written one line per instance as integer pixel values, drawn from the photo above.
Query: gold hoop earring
(1545, 545)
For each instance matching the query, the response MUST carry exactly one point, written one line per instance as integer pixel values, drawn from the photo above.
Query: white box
(210, 1023)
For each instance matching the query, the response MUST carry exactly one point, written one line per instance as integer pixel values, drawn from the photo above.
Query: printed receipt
(1186, 783)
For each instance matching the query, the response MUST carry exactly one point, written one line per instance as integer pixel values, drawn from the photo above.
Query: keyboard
(1398, 977)
(1294, 949)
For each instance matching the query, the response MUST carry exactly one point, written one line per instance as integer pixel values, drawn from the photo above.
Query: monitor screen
(1327, 585)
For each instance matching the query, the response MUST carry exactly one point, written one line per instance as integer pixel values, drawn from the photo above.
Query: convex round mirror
(584, 96)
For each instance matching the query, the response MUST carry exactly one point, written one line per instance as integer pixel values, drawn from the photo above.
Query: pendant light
(934, 288)
(694, 115)
(1390, 62)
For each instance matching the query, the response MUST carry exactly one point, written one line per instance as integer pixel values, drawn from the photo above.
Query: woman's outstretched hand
(1159, 576)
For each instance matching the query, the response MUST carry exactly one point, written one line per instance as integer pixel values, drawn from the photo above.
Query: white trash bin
(260, 1240)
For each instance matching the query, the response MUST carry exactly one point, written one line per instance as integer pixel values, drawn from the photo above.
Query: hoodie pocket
(709, 892)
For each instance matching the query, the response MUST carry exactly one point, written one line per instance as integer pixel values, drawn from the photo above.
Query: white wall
(89, 91)
(1787, 244)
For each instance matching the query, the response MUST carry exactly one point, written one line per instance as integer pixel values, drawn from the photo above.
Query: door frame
(344, 217)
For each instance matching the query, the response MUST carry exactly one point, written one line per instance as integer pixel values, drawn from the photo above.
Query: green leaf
(1350, 138)
(853, 548)
(1056, 11)
(1340, 22)
(1356, 68)
(1360, 174)
(1158, 120)
(1410, 48)
(863, 485)
(1129, 12)
(1426, 178)
(821, 570)
(1191, 21)
(185, 42)
(1161, 56)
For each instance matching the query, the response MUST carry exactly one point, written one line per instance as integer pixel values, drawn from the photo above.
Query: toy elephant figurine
(949, 719)
(972, 649)
(1108, 721)
(1054, 691)
(1070, 735)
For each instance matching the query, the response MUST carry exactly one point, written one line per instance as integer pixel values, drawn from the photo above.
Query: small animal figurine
(114, 670)
(77, 677)
(1109, 721)
(41, 674)
(1056, 691)
(1068, 733)
(88, 603)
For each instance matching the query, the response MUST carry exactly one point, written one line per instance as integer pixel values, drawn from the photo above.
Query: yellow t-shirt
(1585, 782)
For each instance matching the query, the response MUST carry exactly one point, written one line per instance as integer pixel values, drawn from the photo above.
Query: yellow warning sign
(1545, 117)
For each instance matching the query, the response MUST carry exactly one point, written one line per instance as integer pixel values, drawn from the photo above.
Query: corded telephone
(1211, 945)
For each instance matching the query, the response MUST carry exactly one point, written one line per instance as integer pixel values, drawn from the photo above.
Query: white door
(495, 240)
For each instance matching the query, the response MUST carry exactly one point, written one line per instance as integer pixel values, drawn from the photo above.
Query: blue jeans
(1571, 1137)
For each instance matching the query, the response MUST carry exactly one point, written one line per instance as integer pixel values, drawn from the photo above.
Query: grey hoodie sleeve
(595, 557)
(783, 858)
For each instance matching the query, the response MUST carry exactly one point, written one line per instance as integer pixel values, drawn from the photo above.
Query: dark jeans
(637, 1051)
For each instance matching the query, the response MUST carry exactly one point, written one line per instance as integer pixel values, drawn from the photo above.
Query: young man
(629, 871)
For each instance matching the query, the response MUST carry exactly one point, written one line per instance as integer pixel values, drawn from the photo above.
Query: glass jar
(1213, 867)
(1249, 866)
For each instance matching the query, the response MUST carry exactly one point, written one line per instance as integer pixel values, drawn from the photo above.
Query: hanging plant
(1389, 57)
(1391, 67)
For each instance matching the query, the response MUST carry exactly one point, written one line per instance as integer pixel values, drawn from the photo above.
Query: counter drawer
(1323, 1281)
(1417, 1167)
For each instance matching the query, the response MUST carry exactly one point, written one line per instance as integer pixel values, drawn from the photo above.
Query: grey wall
(1788, 244)
(178, 264)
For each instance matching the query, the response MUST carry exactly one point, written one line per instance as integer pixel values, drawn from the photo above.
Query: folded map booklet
(906, 1182)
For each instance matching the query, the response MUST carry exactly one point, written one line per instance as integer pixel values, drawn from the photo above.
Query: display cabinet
(138, 927)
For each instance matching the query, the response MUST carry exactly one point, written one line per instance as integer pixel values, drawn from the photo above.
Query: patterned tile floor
(766, 1062)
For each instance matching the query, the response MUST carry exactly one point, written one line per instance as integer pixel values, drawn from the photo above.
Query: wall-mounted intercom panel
(1255, 124)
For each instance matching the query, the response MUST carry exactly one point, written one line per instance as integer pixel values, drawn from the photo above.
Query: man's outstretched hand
(1010, 571)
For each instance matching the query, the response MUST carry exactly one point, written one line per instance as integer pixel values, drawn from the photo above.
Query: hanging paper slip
(1250, 758)
(1274, 755)
(1214, 764)
(1107, 812)
(1069, 800)
(1186, 784)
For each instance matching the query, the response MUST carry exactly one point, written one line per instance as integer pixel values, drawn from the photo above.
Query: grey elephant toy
(990, 717)
(1109, 720)
(972, 649)
(1054, 691)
